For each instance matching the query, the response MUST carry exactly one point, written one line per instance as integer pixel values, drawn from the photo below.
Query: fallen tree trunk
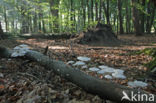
(104, 89)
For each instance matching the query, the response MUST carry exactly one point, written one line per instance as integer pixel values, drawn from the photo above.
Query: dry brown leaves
(33, 83)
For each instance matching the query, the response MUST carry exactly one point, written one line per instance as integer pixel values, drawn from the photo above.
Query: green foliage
(93, 23)
(148, 51)
(151, 52)
(151, 64)
(70, 16)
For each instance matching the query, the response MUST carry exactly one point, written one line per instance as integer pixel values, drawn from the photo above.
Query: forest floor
(22, 82)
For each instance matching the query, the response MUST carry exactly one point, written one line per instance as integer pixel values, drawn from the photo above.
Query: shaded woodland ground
(22, 81)
(112, 33)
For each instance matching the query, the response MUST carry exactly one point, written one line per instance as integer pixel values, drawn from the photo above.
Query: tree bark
(54, 8)
(35, 26)
(127, 18)
(1, 31)
(5, 19)
(72, 16)
(106, 10)
(108, 14)
(84, 12)
(92, 10)
(96, 9)
(39, 22)
(100, 11)
(104, 89)
(150, 18)
(43, 25)
(30, 24)
(120, 16)
(88, 9)
(143, 18)
(154, 1)
(136, 22)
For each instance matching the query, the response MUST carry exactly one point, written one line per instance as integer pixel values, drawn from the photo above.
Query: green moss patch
(151, 64)
(151, 52)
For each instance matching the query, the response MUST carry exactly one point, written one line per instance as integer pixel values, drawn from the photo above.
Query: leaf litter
(31, 82)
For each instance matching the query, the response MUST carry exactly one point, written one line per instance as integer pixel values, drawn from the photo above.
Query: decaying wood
(102, 34)
(105, 89)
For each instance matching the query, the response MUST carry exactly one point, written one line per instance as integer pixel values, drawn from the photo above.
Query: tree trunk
(84, 12)
(92, 10)
(154, 1)
(105, 89)
(143, 18)
(117, 26)
(5, 19)
(130, 23)
(43, 25)
(39, 22)
(120, 16)
(35, 27)
(114, 21)
(136, 18)
(54, 8)
(96, 9)
(106, 10)
(12, 25)
(154, 29)
(150, 18)
(72, 16)
(100, 11)
(88, 9)
(50, 23)
(30, 25)
(1, 31)
(127, 18)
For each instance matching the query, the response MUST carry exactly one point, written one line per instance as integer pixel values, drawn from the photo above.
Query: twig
(46, 50)
(26, 74)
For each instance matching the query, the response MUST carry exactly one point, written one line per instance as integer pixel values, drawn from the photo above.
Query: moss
(151, 64)
(151, 52)
(148, 51)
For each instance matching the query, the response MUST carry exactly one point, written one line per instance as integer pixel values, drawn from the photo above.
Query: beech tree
(1, 30)
(72, 16)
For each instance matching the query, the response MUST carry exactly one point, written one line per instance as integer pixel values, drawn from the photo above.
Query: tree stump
(102, 34)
